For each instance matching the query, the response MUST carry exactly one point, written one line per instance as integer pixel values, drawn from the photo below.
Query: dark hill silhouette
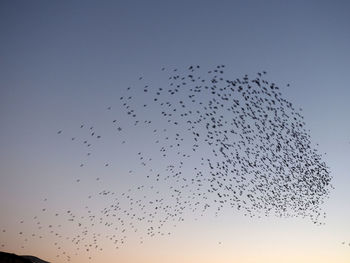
(13, 258)
(34, 259)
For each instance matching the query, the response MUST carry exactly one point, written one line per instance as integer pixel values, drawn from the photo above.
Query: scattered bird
(220, 141)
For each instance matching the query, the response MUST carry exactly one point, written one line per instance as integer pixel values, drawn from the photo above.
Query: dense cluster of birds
(213, 142)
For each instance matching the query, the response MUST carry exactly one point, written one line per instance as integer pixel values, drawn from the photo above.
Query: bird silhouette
(213, 141)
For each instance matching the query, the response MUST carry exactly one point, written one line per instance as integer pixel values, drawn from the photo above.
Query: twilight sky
(63, 63)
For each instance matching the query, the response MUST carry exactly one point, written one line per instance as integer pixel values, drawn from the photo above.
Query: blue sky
(63, 62)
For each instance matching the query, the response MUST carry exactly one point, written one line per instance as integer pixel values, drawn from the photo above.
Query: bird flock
(202, 142)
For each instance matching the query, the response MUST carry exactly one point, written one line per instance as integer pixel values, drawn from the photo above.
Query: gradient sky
(63, 62)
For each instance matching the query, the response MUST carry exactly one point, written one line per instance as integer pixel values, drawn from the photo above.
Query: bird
(202, 141)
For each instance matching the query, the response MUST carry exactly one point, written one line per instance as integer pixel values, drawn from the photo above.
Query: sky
(63, 62)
